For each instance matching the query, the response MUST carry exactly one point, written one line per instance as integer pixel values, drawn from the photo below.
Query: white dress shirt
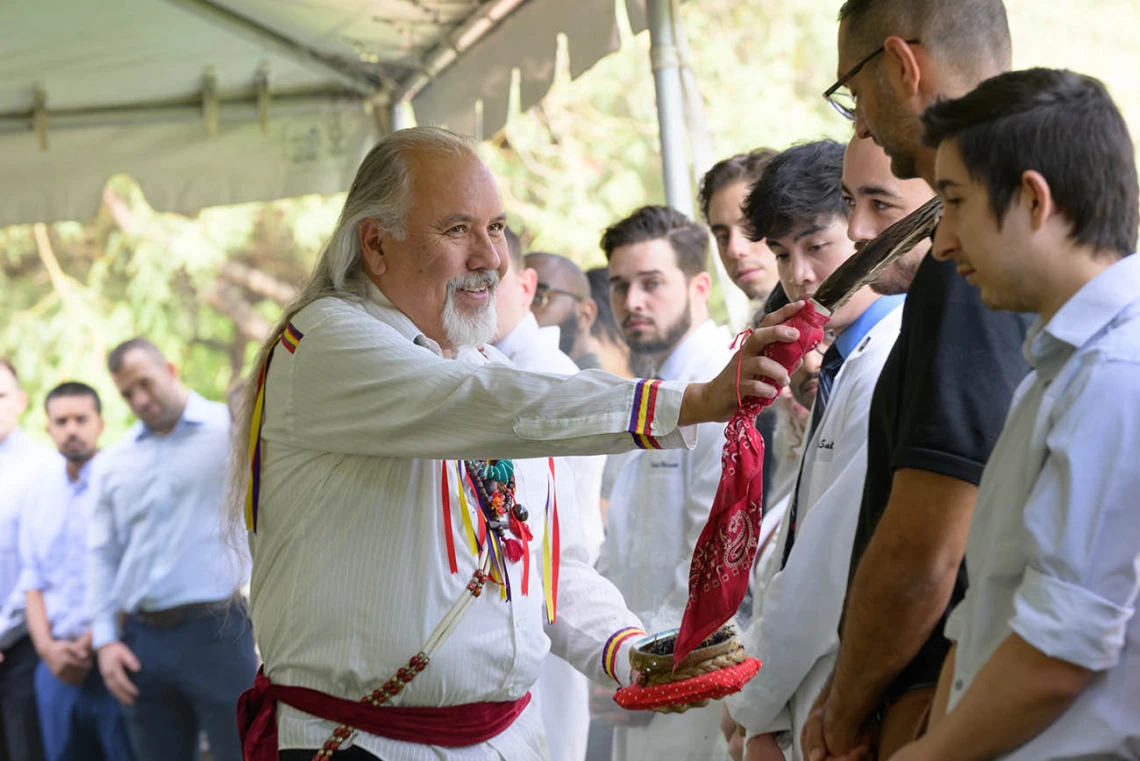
(157, 534)
(53, 545)
(350, 570)
(562, 693)
(658, 507)
(796, 634)
(1054, 546)
(21, 461)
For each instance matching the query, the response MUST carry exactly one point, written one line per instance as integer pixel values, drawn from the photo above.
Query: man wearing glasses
(562, 300)
(942, 396)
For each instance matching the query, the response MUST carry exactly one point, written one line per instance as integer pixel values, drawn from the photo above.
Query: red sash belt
(449, 726)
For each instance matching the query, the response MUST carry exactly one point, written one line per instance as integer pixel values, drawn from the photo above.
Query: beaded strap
(418, 662)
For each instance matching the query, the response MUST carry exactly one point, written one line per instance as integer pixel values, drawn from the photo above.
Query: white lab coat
(796, 634)
(561, 692)
(658, 507)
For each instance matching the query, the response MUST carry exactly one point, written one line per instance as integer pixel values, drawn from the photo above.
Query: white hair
(381, 191)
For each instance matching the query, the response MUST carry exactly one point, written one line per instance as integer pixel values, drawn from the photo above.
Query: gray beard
(471, 330)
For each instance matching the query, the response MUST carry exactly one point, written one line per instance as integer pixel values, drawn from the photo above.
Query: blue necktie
(828, 369)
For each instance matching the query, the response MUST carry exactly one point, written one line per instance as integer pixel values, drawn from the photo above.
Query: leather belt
(179, 615)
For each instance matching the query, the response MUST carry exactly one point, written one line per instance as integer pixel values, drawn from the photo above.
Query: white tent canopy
(208, 102)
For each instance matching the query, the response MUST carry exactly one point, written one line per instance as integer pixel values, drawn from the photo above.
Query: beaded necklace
(495, 487)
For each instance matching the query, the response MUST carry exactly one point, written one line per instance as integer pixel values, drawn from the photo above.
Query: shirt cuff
(1068, 622)
(755, 709)
(104, 631)
(656, 410)
(30, 581)
(615, 655)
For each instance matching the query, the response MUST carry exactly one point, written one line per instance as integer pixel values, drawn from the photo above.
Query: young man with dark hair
(79, 717)
(801, 206)
(660, 499)
(941, 397)
(1038, 176)
(749, 263)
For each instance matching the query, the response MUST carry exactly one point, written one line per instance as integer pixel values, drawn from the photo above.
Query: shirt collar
(672, 367)
(524, 334)
(12, 443)
(381, 307)
(1087, 313)
(846, 341)
(195, 412)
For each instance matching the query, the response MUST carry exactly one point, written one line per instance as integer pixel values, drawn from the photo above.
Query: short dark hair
(690, 240)
(119, 353)
(73, 388)
(514, 249)
(1058, 123)
(970, 37)
(802, 186)
(7, 365)
(605, 323)
(743, 166)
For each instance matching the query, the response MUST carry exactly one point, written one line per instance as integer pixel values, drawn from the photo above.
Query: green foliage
(586, 156)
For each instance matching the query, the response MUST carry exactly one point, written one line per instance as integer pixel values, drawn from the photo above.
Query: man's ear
(528, 282)
(902, 66)
(701, 284)
(372, 247)
(587, 315)
(1037, 198)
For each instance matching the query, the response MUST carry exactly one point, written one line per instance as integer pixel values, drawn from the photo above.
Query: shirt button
(957, 684)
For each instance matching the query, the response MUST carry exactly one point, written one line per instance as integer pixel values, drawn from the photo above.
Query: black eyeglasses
(543, 292)
(844, 102)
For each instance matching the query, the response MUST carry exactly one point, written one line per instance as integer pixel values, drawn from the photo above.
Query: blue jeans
(80, 723)
(191, 677)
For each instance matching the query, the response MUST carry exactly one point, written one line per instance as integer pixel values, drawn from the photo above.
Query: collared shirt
(660, 499)
(797, 629)
(350, 567)
(53, 545)
(20, 461)
(535, 350)
(1054, 545)
(658, 507)
(157, 533)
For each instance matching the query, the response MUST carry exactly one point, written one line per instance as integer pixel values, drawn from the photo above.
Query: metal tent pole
(670, 105)
(398, 116)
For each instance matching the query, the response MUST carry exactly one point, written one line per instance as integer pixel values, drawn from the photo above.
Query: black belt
(180, 615)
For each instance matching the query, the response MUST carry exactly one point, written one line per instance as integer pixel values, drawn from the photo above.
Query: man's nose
(945, 241)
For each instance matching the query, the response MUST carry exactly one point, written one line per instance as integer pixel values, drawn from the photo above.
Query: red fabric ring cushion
(709, 686)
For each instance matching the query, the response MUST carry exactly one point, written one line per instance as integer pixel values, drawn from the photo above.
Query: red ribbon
(722, 559)
(448, 727)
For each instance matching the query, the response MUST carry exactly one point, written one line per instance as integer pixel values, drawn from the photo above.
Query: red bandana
(722, 560)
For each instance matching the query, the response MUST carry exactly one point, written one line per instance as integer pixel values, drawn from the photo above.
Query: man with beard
(797, 633)
(750, 263)
(563, 694)
(79, 717)
(20, 460)
(941, 398)
(660, 499)
(161, 578)
(562, 300)
(409, 575)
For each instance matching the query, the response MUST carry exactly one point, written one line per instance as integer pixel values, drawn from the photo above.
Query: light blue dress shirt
(54, 512)
(1054, 546)
(157, 538)
(20, 459)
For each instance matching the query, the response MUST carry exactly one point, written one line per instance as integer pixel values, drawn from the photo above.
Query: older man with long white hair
(409, 574)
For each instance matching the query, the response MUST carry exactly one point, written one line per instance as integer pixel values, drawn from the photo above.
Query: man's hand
(68, 661)
(733, 734)
(115, 660)
(813, 738)
(604, 709)
(843, 741)
(716, 401)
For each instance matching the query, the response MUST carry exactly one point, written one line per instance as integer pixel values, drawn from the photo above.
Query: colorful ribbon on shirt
(290, 339)
(551, 538)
